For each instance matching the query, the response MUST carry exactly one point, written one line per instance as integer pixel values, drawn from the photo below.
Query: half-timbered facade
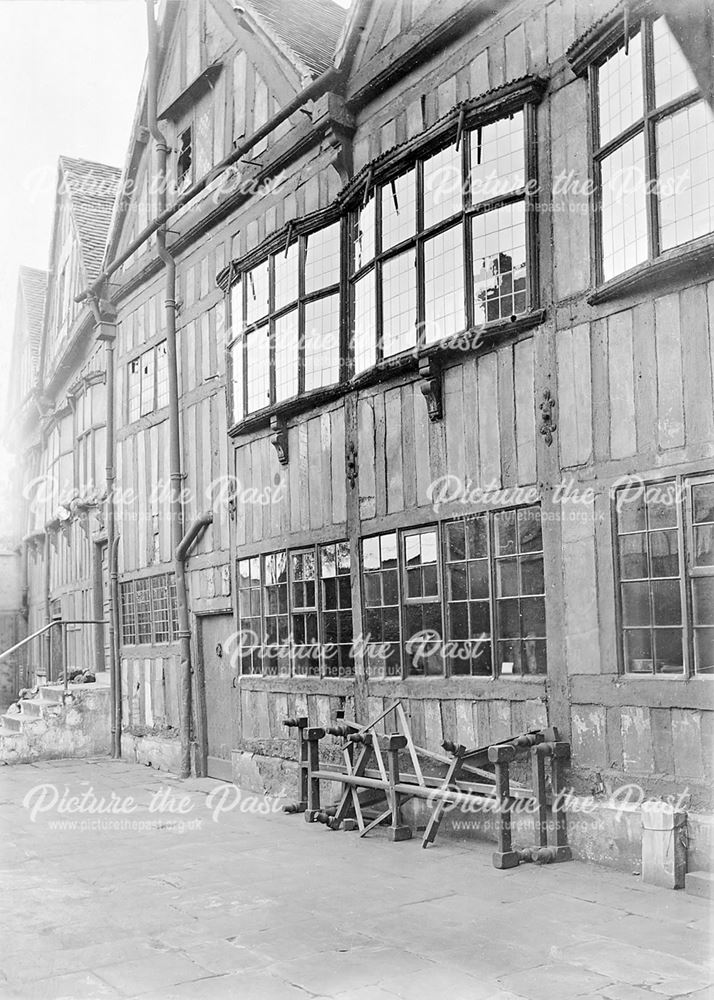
(445, 364)
(58, 423)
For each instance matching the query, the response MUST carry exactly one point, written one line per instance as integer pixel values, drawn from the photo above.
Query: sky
(70, 73)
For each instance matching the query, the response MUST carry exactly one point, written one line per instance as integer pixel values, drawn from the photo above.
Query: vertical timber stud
(313, 735)
(501, 756)
(299, 723)
(559, 753)
(398, 830)
(538, 779)
(352, 491)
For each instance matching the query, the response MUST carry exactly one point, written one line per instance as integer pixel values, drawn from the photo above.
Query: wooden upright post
(501, 756)
(313, 735)
(398, 830)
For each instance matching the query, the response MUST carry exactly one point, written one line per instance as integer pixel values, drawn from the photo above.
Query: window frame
(297, 233)
(156, 380)
(458, 135)
(683, 484)
(440, 527)
(256, 653)
(128, 600)
(645, 125)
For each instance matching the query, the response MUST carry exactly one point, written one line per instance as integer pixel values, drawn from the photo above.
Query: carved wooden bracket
(430, 375)
(351, 464)
(547, 421)
(341, 126)
(279, 439)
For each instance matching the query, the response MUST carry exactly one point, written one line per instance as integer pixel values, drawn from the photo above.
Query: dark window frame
(441, 528)
(644, 125)
(296, 234)
(464, 218)
(683, 485)
(154, 350)
(287, 650)
(166, 612)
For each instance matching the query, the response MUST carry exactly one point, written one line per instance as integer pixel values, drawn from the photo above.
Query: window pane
(258, 368)
(444, 285)
(703, 600)
(365, 341)
(703, 502)
(162, 376)
(668, 651)
(532, 580)
(147, 382)
(443, 186)
(477, 536)
(363, 233)
(667, 602)
(685, 151)
(322, 258)
(499, 262)
(456, 540)
(664, 553)
(236, 308)
(633, 556)
(506, 532)
(672, 74)
(638, 651)
(381, 619)
(704, 650)
(399, 303)
(497, 158)
(322, 342)
(237, 371)
(398, 210)
(256, 282)
(134, 389)
(530, 534)
(636, 604)
(631, 510)
(704, 545)
(623, 213)
(661, 499)
(286, 355)
(619, 82)
(285, 270)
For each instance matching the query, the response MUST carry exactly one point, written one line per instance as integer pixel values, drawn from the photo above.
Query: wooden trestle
(475, 779)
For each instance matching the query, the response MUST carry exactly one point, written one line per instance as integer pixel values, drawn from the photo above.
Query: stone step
(12, 722)
(699, 884)
(52, 693)
(30, 708)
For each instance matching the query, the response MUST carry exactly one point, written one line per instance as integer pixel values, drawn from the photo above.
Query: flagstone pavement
(187, 893)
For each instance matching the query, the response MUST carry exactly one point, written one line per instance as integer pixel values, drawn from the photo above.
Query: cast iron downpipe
(114, 648)
(179, 544)
(180, 554)
(112, 537)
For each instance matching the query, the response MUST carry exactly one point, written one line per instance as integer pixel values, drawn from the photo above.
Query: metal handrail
(46, 628)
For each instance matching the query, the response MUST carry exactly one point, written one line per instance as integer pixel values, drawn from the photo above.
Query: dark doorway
(221, 696)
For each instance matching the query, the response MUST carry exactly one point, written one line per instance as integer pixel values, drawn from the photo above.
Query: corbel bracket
(279, 438)
(430, 377)
(341, 127)
(547, 420)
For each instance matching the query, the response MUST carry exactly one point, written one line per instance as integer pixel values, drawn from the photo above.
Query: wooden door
(221, 696)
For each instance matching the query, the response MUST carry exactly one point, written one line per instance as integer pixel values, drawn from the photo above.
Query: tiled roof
(34, 292)
(92, 188)
(311, 28)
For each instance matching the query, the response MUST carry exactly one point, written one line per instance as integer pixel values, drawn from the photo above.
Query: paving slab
(202, 904)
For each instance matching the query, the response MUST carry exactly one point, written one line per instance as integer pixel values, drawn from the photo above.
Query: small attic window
(183, 164)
